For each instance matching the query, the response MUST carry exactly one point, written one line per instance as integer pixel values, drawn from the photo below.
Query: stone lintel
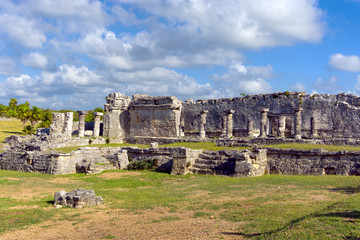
(297, 109)
(264, 110)
(229, 111)
(83, 112)
(204, 111)
(97, 113)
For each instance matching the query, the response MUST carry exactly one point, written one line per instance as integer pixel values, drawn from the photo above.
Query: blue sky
(71, 54)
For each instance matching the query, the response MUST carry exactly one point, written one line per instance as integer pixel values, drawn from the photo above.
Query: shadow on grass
(11, 132)
(291, 224)
(346, 190)
(50, 202)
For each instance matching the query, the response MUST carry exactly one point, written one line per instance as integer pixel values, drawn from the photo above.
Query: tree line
(38, 117)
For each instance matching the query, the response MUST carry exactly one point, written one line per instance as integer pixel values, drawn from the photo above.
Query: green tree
(35, 115)
(3, 109)
(23, 112)
(12, 103)
(46, 119)
(99, 109)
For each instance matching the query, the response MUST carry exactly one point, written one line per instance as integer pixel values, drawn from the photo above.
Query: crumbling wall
(33, 160)
(164, 156)
(313, 162)
(116, 118)
(237, 163)
(154, 116)
(336, 115)
(62, 126)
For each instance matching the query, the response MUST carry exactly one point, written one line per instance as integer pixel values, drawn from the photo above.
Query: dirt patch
(27, 193)
(114, 175)
(117, 224)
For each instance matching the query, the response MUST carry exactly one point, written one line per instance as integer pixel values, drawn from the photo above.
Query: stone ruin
(253, 120)
(78, 198)
(284, 115)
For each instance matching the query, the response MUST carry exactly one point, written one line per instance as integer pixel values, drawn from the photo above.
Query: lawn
(146, 205)
(8, 127)
(200, 145)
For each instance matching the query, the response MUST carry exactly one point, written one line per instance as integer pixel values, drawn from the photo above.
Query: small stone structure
(78, 198)
(154, 116)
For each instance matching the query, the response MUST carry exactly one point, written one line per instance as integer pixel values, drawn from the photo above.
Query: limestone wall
(312, 162)
(57, 163)
(154, 116)
(337, 115)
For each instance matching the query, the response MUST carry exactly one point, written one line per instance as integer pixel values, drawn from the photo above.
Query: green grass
(200, 145)
(309, 146)
(74, 148)
(9, 127)
(266, 207)
(192, 145)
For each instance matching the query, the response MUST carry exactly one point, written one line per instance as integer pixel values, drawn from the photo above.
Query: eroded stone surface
(77, 198)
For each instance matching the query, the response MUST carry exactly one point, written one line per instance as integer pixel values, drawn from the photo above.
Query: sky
(65, 54)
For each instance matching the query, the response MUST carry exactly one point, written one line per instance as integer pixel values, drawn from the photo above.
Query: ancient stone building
(288, 114)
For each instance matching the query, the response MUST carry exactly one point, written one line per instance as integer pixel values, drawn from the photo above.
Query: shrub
(27, 130)
(143, 165)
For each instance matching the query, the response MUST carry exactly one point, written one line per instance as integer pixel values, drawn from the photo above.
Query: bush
(143, 165)
(27, 130)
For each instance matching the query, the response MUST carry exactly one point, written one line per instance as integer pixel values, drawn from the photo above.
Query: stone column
(202, 123)
(224, 124)
(314, 128)
(82, 115)
(281, 127)
(229, 123)
(182, 127)
(115, 117)
(263, 122)
(250, 128)
(69, 117)
(297, 122)
(97, 123)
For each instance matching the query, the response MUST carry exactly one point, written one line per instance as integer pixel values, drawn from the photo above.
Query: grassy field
(74, 148)
(200, 145)
(9, 127)
(193, 145)
(146, 205)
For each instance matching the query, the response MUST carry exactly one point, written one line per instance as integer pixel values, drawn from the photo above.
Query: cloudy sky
(71, 54)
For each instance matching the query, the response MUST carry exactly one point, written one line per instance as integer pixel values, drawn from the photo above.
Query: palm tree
(12, 103)
(35, 115)
(23, 113)
(46, 119)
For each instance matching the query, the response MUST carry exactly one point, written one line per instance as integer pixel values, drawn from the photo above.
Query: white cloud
(35, 60)
(241, 23)
(79, 87)
(349, 63)
(133, 53)
(300, 87)
(242, 79)
(328, 85)
(22, 30)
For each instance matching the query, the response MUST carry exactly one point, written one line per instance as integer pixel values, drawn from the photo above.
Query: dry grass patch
(115, 175)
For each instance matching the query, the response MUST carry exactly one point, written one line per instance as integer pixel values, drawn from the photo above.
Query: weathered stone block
(77, 198)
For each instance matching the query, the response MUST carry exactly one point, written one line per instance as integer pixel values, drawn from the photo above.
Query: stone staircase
(213, 163)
